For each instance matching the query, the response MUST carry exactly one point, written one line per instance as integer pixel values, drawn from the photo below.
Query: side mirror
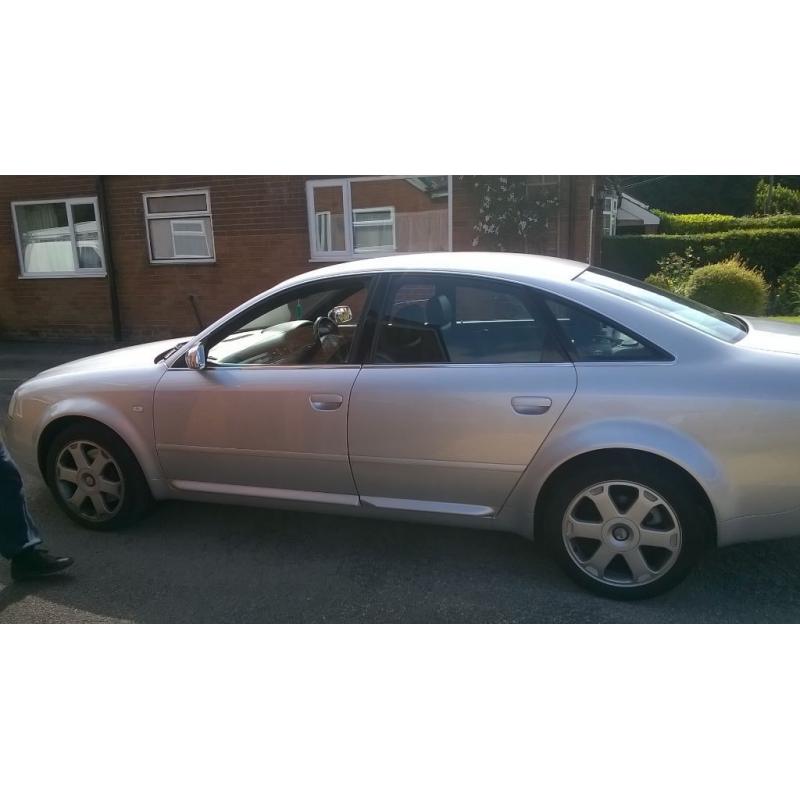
(341, 315)
(196, 356)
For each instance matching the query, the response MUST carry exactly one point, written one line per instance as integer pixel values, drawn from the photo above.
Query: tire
(625, 528)
(87, 458)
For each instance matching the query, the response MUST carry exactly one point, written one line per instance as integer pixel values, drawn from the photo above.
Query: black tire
(695, 526)
(136, 498)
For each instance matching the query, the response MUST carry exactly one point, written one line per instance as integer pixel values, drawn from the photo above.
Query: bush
(786, 297)
(729, 286)
(714, 223)
(674, 271)
(784, 200)
(773, 251)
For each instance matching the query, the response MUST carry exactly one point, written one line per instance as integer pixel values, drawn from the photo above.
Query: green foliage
(784, 199)
(674, 271)
(713, 223)
(512, 215)
(786, 295)
(773, 251)
(729, 286)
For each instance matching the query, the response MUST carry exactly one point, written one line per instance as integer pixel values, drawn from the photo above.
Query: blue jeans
(17, 531)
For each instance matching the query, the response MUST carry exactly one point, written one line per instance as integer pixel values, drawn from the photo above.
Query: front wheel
(625, 532)
(95, 478)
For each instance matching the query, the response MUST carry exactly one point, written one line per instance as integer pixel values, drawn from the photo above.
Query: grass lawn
(796, 320)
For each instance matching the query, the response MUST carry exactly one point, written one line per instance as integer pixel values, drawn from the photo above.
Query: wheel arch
(632, 457)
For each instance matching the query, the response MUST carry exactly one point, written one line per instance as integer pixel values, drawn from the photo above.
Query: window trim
(86, 272)
(375, 223)
(349, 253)
(171, 215)
(535, 297)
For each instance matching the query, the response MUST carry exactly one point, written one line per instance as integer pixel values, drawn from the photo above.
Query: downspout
(105, 227)
(571, 226)
(591, 222)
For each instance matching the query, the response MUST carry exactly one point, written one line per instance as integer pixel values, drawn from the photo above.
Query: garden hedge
(713, 223)
(773, 251)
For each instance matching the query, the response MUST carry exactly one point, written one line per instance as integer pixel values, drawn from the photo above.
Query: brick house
(136, 257)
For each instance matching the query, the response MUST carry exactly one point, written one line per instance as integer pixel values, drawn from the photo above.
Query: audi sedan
(624, 427)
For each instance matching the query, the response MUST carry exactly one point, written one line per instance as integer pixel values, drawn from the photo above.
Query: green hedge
(713, 223)
(784, 199)
(774, 251)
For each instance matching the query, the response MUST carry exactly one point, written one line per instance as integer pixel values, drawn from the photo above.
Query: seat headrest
(439, 311)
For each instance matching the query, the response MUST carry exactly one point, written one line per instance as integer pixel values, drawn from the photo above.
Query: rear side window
(461, 320)
(593, 338)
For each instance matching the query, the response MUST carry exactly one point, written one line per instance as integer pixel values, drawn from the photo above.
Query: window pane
(44, 237)
(180, 238)
(283, 334)
(373, 237)
(329, 218)
(87, 236)
(420, 213)
(171, 204)
(463, 321)
(594, 339)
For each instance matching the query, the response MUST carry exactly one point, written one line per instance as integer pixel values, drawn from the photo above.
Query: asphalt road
(212, 563)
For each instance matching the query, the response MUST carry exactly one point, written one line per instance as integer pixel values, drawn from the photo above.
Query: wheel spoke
(604, 504)
(77, 498)
(99, 503)
(641, 508)
(638, 566)
(66, 474)
(600, 560)
(666, 539)
(584, 530)
(100, 462)
(113, 488)
(76, 450)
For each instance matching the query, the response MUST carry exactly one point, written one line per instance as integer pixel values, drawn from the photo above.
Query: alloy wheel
(621, 533)
(89, 480)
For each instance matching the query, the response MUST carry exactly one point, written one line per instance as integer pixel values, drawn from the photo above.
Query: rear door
(464, 382)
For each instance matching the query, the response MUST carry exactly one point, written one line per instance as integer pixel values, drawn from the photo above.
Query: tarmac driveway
(212, 563)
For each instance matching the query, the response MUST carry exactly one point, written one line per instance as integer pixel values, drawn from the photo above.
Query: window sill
(59, 275)
(181, 262)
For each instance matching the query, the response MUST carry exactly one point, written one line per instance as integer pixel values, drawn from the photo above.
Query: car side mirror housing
(196, 356)
(341, 315)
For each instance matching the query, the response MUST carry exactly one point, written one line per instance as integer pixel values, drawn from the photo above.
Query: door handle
(531, 405)
(326, 402)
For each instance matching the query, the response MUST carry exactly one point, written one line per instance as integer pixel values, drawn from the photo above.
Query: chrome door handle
(531, 405)
(326, 402)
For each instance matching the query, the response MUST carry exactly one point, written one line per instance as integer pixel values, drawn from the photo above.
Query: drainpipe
(105, 227)
(591, 222)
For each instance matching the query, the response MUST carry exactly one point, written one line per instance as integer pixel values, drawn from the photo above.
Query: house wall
(260, 236)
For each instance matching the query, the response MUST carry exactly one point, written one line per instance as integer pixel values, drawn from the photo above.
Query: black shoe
(36, 563)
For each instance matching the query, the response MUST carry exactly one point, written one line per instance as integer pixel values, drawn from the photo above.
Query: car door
(465, 381)
(267, 417)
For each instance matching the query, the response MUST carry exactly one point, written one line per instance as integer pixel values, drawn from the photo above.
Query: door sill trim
(427, 506)
(294, 495)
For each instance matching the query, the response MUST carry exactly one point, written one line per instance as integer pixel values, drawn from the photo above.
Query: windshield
(703, 318)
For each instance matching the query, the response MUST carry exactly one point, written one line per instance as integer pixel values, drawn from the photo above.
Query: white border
(148, 215)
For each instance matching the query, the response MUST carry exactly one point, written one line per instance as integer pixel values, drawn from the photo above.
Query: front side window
(179, 226)
(59, 238)
(313, 324)
(355, 217)
(593, 338)
(715, 323)
(435, 319)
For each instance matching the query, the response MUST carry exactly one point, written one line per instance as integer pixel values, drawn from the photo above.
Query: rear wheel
(95, 478)
(626, 531)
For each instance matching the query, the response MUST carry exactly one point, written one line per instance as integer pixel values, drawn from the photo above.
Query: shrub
(786, 295)
(714, 223)
(773, 251)
(784, 200)
(674, 271)
(729, 285)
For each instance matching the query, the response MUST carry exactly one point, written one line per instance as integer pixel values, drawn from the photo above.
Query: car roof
(507, 265)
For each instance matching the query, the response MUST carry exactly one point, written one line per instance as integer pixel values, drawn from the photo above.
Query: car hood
(771, 335)
(125, 357)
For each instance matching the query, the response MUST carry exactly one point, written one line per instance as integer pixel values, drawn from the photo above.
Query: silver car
(625, 428)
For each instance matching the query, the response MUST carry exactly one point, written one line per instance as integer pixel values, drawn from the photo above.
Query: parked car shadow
(191, 562)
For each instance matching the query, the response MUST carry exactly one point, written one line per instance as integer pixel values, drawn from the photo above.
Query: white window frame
(611, 214)
(78, 272)
(349, 253)
(180, 215)
(372, 223)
